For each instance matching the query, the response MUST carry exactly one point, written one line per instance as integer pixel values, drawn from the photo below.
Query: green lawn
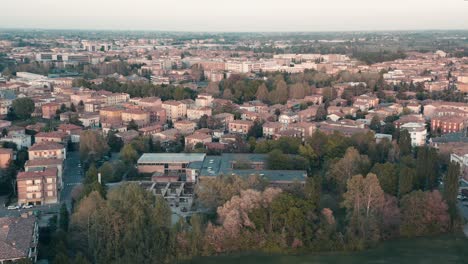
(437, 250)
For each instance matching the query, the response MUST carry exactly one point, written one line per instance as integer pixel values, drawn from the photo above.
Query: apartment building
(240, 126)
(47, 150)
(448, 124)
(195, 138)
(141, 118)
(37, 187)
(197, 113)
(185, 127)
(54, 136)
(49, 110)
(418, 133)
(110, 115)
(174, 110)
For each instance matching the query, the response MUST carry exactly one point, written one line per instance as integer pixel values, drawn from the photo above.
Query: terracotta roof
(16, 236)
(43, 162)
(46, 146)
(49, 172)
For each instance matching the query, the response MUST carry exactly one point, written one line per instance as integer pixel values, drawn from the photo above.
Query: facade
(54, 136)
(192, 140)
(37, 187)
(174, 110)
(47, 150)
(240, 126)
(418, 133)
(42, 164)
(448, 124)
(21, 140)
(185, 127)
(141, 118)
(49, 110)
(197, 113)
(110, 115)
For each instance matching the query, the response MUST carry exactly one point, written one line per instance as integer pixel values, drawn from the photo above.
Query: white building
(417, 131)
(21, 140)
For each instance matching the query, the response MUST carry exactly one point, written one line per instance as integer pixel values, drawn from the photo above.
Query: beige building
(240, 126)
(37, 187)
(185, 127)
(192, 140)
(174, 110)
(142, 118)
(6, 155)
(47, 150)
(197, 113)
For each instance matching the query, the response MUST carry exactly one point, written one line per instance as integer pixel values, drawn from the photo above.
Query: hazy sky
(236, 15)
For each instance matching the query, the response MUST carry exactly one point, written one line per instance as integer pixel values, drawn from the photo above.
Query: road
(72, 176)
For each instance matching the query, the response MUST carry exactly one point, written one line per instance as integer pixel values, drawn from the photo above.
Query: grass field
(432, 250)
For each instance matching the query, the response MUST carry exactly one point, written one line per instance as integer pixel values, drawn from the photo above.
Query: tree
(92, 146)
(407, 178)
(297, 91)
(321, 113)
(72, 107)
(427, 168)
(132, 125)
(256, 130)
(107, 172)
(404, 142)
(451, 185)
(363, 200)
(262, 93)
(280, 94)
(388, 177)
(351, 164)
(23, 107)
(213, 88)
(423, 213)
(129, 154)
(64, 218)
(375, 124)
(115, 143)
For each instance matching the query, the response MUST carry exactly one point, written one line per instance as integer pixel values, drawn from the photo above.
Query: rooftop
(16, 236)
(171, 157)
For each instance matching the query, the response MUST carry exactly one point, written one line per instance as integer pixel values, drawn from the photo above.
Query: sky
(236, 15)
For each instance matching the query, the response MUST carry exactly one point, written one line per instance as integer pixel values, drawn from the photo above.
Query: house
(49, 110)
(6, 156)
(90, 120)
(37, 187)
(54, 136)
(19, 238)
(308, 114)
(127, 136)
(185, 127)
(204, 100)
(224, 118)
(240, 126)
(289, 118)
(21, 140)
(167, 135)
(197, 113)
(47, 150)
(167, 163)
(418, 133)
(365, 102)
(271, 128)
(150, 130)
(315, 99)
(195, 138)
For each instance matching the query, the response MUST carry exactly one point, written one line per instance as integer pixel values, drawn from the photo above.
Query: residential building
(418, 133)
(240, 126)
(448, 124)
(140, 117)
(47, 150)
(37, 187)
(21, 140)
(185, 127)
(49, 110)
(42, 164)
(195, 138)
(175, 110)
(6, 156)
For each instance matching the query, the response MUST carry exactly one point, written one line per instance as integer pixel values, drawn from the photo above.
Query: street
(72, 176)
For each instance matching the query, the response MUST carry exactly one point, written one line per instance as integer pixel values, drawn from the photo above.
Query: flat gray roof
(171, 157)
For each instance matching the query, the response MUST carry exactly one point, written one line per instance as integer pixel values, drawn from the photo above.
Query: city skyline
(241, 16)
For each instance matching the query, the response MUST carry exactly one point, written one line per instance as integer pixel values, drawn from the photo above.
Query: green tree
(388, 177)
(92, 146)
(129, 154)
(132, 125)
(23, 107)
(363, 200)
(404, 143)
(64, 218)
(375, 124)
(107, 172)
(262, 93)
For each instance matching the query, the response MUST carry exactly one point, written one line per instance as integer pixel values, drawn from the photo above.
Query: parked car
(27, 206)
(13, 207)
